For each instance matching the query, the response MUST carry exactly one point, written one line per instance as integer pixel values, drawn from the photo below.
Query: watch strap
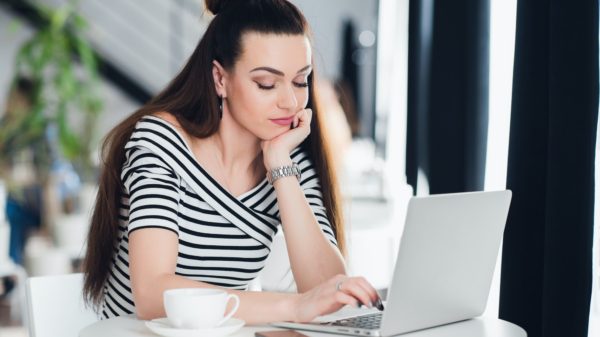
(284, 171)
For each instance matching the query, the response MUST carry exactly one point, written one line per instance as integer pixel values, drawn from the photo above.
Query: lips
(283, 121)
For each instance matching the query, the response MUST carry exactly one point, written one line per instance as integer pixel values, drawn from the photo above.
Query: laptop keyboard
(371, 321)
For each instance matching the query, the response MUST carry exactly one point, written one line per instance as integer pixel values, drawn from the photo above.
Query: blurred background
(417, 93)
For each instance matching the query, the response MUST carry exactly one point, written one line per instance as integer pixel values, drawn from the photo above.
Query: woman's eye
(265, 87)
(301, 85)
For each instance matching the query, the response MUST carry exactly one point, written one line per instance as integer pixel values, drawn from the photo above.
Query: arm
(154, 244)
(153, 257)
(313, 258)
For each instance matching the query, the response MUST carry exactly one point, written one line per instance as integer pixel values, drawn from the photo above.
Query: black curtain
(448, 93)
(547, 256)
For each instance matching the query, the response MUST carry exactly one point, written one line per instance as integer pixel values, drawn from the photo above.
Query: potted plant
(51, 114)
(56, 93)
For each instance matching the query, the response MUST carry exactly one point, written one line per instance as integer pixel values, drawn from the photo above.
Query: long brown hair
(192, 99)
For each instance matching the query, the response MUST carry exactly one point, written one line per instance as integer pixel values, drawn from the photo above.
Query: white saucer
(163, 327)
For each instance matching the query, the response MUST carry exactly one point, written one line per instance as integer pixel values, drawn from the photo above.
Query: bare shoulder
(168, 117)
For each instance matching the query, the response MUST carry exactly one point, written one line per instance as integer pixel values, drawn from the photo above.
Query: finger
(304, 117)
(299, 118)
(344, 298)
(309, 114)
(352, 288)
(373, 295)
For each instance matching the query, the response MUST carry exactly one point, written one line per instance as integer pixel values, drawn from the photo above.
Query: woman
(183, 194)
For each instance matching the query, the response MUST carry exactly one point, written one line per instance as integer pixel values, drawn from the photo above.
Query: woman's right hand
(276, 151)
(332, 295)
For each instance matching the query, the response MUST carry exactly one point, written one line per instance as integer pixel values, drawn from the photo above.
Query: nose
(287, 98)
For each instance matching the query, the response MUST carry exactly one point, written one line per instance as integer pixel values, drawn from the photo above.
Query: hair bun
(216, 6)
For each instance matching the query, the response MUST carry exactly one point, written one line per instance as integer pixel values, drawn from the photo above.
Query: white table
(479, 327)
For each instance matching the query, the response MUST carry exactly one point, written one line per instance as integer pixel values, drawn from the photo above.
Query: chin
(271, 134)
(279, 133)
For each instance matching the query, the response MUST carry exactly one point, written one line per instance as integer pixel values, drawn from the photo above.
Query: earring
(220, 107)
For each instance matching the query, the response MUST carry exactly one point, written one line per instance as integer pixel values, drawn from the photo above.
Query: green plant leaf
(69, 142)
(62, 88)
(14, 27)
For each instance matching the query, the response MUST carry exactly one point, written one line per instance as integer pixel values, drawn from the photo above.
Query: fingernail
(378, 304)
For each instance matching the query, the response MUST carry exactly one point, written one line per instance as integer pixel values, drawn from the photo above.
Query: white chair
(55, 306)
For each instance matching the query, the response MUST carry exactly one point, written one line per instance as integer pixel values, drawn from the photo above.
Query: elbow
(147, 301)
(144, 316)
(144, 312)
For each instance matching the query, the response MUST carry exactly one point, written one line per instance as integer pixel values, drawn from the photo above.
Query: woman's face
(268, 84)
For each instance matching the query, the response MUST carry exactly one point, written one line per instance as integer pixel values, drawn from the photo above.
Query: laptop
(444, 267)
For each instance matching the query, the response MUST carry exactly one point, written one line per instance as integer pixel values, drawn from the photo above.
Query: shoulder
(157, 137)
(158, 127)
(143, 162)
(169, 118)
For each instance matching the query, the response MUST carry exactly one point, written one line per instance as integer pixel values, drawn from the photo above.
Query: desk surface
(479, 327)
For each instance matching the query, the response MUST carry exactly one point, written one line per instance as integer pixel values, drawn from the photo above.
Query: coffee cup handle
(233, 310)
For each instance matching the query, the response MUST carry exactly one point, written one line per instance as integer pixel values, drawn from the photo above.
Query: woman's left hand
(276, 151)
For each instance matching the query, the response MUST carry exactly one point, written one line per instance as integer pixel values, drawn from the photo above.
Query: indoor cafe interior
(418, 98)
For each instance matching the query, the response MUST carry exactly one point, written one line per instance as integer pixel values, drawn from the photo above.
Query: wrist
(286, 171)
(279, 163)
(290, 307)
(275, 161)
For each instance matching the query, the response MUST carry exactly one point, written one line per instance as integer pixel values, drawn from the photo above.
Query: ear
(220, 78)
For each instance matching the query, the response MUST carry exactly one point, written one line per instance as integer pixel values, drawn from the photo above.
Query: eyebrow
(278, 72)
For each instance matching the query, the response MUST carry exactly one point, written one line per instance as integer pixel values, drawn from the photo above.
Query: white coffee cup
(198, 308)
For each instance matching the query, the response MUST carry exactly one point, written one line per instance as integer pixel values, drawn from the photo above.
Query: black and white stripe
(223, 240)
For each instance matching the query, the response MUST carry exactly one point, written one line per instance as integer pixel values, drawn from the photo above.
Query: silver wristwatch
(284, 171)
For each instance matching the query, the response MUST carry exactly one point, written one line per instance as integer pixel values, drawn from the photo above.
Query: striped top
(223, 240)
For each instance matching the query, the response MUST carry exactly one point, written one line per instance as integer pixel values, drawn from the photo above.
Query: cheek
(251, 108)
(249, 102)
(302, 98)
